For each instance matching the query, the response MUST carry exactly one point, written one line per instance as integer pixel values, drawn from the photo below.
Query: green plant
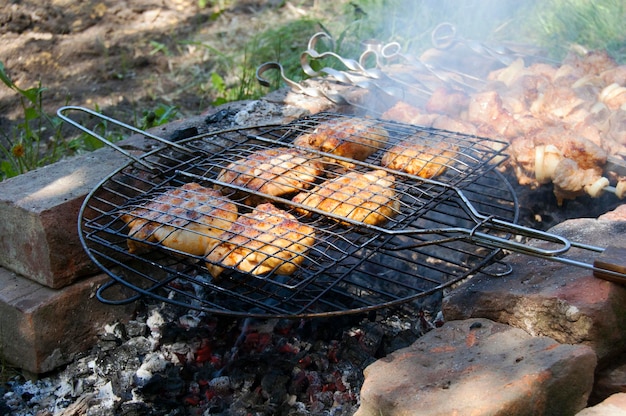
(39, 138)
(34, 141)
(162, 114)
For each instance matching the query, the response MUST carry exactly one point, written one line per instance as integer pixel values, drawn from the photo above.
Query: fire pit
(205, 342)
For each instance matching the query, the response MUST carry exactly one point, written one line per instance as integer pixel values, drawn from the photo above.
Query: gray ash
(172, 362)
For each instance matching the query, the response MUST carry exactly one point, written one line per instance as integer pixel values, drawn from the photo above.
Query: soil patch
(125, 57)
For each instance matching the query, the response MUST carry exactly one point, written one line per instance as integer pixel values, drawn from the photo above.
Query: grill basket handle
(610, 264)
(61, 113)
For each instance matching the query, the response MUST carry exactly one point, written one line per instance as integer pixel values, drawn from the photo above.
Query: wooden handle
(612, 259)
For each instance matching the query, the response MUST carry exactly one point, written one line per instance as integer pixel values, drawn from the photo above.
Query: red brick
(42, 328)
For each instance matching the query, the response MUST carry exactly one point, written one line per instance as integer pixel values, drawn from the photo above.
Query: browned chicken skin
(349, 138)
(421, 157)
(265, 240)
(274, 171)
(548, 113)
(187, 219)
(363, 197)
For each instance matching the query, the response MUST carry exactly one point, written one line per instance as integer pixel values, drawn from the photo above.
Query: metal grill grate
(352, 267)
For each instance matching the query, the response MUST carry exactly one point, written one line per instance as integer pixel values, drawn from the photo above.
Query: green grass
(558, 24)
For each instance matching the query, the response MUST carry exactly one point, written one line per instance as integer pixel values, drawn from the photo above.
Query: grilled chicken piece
(620, 188)
(548, 113)
(353, 139)
(614, 96)
(275, 171)
(421, 157)
(187, 219)
(265, 240)
(364, 197)
(591, 62)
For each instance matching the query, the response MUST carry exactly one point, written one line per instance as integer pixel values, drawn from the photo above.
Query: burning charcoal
(220, 116)
(118, 330)
(189, 321)
(155, 322)
(373, 336)
(315, 382)
(299, 381)
(4, 408)
(184, 133)
(398, 340)
(321, 362)
(140, 344)
(226, 366)
(179, 353)
(134, 408)
(108, 344)
(165, 387)
(323, 400)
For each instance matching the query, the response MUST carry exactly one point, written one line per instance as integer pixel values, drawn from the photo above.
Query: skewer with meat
(349, 138)
(571, 181)
(273, 171)
(364, 197)
(535, 157)
(186, 219)
(264, 240)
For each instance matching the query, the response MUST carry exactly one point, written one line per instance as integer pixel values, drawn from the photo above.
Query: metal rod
(61, 113)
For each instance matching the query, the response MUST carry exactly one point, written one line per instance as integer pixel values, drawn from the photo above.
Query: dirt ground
(126, 56)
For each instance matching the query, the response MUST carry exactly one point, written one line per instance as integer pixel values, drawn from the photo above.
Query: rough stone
(544, 297)
(618, 214)
(42, 328)
(613, 406)
(479, 367)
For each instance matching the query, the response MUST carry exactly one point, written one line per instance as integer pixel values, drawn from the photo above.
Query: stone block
(39, 211)
(479, 367)
(43, 328)
(543, 297)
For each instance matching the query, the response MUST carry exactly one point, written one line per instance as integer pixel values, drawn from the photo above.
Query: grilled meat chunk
(274, 171)
(365, 197)
(353, 139)
(187, 219)
(406, 113)
(421, 157)
(264, 240)
(529, 154)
